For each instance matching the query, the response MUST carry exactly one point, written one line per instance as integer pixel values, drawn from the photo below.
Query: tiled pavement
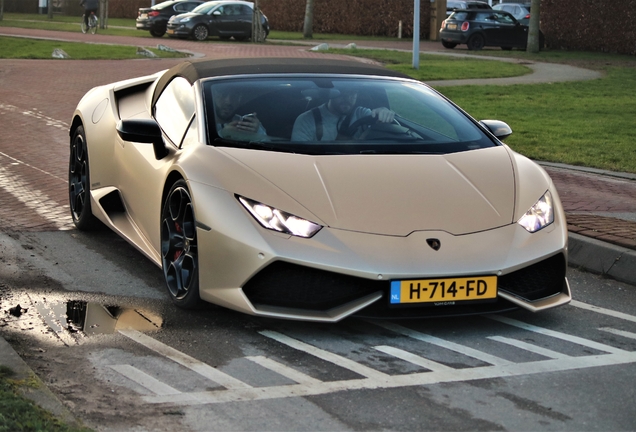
(599, 205)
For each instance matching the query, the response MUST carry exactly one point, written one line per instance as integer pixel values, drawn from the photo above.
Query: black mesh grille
(537, 281)
(289, 285)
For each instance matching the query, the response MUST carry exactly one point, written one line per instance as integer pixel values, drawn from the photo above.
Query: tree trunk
(1, 10)
(533, 30)
(308, 31)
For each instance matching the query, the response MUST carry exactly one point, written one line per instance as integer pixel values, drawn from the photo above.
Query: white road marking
(36, 114)
(191, 363)
(20, 162)
(145, 380)
(308, 386)
(574, 339)
(413, 358)
(623, 333)
(284, 370)
(326, 355)
(529, 347)
(603, 311)
(36, 200)
(409, 380)
(470, 352)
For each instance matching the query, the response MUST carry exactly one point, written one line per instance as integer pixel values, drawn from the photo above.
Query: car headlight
(182, 20)
(540, 215)
(278, 220)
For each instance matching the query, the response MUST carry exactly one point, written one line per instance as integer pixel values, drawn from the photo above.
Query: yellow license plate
(451, 26)
(443, 290)
(170, 31)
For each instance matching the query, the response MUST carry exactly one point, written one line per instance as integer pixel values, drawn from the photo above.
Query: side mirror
(216, 13)
(498, 128)
(143, 131)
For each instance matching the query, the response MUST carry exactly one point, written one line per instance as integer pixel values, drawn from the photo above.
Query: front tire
(200, 32)
(476, 42)
(79, 183)
(179, 249)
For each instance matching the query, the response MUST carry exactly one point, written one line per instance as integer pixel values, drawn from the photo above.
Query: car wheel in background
(506, 48)
(79, 183)
(158, 32)
(449, 45)
(179, 250)
(476, 42)
(200, 32)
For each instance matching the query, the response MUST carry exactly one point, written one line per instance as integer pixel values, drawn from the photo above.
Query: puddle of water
(91, 318)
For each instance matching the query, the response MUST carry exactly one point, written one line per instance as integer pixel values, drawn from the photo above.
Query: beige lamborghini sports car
(317, 189)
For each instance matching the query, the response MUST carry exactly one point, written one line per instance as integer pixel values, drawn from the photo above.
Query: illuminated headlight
(540, 215)
(182, 20)
(278, 220)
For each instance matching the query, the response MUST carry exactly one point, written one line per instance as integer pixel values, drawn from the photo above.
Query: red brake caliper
(179, 252)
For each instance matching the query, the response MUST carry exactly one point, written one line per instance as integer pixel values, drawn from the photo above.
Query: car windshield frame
(426, 121)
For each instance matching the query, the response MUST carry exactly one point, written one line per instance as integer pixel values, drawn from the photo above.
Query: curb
(35, 390)
(599, 257)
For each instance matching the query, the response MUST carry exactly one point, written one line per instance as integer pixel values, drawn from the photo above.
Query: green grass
(20, 414)
(438, 67)
(587, 123)
(43, 49)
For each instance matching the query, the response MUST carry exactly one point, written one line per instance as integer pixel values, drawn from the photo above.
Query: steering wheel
(364, 121)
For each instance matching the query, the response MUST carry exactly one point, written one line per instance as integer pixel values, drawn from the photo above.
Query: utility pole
(49, 4)
(533, 28)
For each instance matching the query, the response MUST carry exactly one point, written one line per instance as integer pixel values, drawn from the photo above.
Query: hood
(181, 17)
(459, 193)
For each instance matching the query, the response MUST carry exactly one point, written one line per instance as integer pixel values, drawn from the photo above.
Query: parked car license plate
(170, 31)
(451, 26)
(443, 290)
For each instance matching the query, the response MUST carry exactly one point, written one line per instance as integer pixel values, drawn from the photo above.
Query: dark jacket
(90, 4)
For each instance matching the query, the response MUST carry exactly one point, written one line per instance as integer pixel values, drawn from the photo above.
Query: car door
(507, 31)
(235, 20)
(142, 176)
(486, 23)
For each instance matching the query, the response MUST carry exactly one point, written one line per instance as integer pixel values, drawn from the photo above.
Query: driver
(329, 121)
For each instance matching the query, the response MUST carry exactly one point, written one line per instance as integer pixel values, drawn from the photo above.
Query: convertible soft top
(197, 69)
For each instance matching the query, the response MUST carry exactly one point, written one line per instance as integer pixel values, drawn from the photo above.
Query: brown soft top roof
(196, 69)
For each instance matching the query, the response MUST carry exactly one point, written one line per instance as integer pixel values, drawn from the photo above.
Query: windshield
(335, 115)
(205, 8)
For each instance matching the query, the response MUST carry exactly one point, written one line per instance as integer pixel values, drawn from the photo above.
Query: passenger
(226, 102)
(332, 119)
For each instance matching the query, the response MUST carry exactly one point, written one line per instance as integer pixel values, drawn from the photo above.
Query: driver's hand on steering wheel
(384, 115)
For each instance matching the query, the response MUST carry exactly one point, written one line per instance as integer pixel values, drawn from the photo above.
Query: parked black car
(478, 29)
(155, 18)
(521, 11)
(224, 19)
(452, 5)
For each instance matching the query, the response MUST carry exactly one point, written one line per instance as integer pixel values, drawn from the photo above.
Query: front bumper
(339, 273)
(178, 30)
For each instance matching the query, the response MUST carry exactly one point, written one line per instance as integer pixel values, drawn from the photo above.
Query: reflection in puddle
(93, 318)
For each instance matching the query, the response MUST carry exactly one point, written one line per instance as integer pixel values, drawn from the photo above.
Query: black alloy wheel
(179, 251)
(79, 183)
(200, 32)
(476, 42)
